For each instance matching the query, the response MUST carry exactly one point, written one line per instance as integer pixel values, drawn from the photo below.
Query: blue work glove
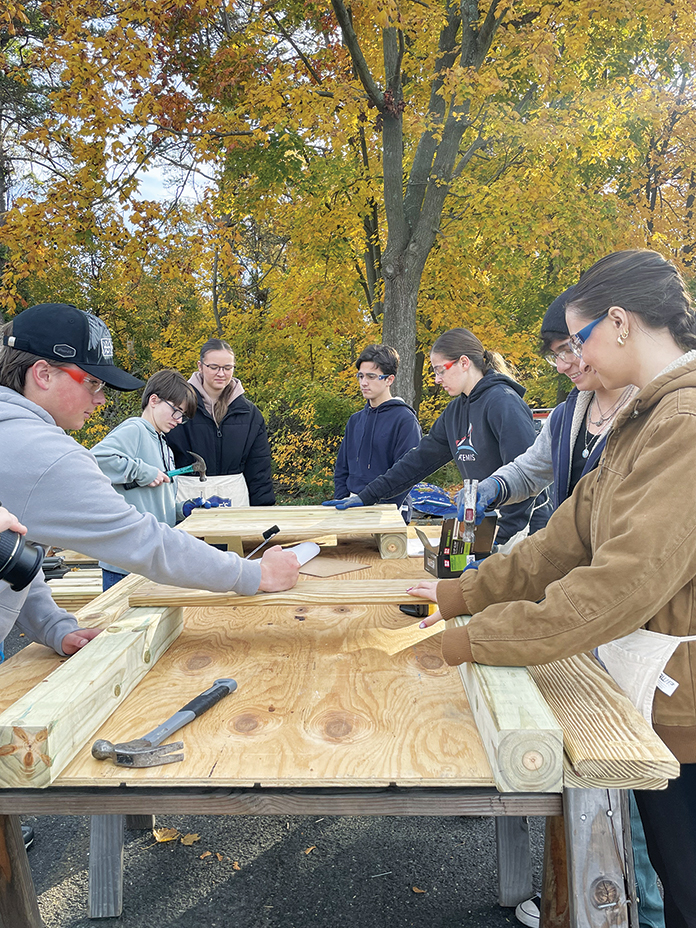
(474, 565)
(216, 501)
(191, 504)
(348, 503)
(487, 495)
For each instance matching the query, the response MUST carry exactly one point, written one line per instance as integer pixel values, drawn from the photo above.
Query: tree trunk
(399, 325)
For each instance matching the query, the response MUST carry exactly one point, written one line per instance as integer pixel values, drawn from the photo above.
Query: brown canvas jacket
(620, 554)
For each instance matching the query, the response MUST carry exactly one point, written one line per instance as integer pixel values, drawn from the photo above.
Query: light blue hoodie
(134, 452)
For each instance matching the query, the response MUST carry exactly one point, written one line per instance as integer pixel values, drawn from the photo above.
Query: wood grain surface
(309, 592)
(320, 701)
(606, 739)
(296, 523)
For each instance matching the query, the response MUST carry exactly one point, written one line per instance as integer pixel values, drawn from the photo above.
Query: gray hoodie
(54, 486)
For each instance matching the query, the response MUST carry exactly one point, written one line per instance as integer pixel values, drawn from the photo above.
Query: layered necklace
(606, 417)
(604, 421)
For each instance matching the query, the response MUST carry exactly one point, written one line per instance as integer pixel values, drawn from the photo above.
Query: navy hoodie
(480, 432)
(375, 438)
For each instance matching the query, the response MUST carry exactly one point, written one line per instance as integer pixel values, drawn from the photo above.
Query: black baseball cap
(61, 332)
(554, 322)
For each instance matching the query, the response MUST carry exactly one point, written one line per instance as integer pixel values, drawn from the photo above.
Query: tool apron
(637, 662)
(226, 486)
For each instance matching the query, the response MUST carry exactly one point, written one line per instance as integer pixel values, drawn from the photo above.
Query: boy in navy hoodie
(382, 432)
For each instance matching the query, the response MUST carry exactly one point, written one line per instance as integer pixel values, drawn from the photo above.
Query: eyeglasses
(362, 376)
(441, 368)
(177, 414)
(566, 355)
(90, 383)
(219, 367)
(576, 341)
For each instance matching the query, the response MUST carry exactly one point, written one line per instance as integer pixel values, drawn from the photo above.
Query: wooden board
(522, 739)
(43, 730)
(296, 523)
(317, 592)
(607, 740)
(320, 701)
(77, 588)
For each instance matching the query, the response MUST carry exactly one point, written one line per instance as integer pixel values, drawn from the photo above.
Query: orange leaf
(206, 854)
(310, 849)
(235, 865)
(417, 890)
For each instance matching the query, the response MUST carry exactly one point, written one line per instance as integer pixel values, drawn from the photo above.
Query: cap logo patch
(107, 348)
(64, 351)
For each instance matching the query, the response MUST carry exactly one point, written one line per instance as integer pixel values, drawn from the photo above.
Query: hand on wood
(426, 589)
(279, 570)
(73, 641)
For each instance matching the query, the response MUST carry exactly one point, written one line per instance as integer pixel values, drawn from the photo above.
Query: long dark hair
(641, 282)
(223, 401)
(456, 342)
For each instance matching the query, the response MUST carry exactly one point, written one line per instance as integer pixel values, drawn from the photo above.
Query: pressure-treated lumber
(18, 905)
(307, 592)
(43, 730)
(300, 523)
(77, 588)
(522, 739)
(607, 741)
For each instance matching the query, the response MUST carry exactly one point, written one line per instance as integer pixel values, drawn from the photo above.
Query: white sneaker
(529, 911)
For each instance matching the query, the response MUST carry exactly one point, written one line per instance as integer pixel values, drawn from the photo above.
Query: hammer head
(138, 753)
(199, 466)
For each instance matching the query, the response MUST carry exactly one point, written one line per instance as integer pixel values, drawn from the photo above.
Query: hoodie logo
(465, 447)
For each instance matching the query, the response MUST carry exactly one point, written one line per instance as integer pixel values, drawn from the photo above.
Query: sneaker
(28, 835)
(529, 911)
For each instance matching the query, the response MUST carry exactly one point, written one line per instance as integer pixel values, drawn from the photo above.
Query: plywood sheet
(296, 523)
(330, 567)
(321, 701)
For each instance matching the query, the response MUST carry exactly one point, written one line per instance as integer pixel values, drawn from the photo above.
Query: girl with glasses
(486, 425)
(229, 433)
(135, 456)
(618, 557)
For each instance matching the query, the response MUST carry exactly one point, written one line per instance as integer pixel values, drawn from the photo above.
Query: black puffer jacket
(239, 445)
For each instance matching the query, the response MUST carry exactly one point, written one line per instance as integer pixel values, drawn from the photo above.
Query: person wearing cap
(54, 365)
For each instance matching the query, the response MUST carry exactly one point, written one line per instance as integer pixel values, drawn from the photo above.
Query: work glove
(474, 565)
(487, 495)
(200, 503)
(348, 503)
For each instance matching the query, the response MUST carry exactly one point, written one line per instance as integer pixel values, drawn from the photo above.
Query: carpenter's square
(149, 751)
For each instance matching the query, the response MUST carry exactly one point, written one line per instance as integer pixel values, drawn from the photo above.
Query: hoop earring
(621, 338)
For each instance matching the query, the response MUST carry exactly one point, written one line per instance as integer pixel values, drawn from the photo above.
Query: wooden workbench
(321, 723)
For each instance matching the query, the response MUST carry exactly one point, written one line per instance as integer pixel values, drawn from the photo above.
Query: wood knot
(533, 760)
(246, 723)
(338, 727)
(198, 661)
(430, 661)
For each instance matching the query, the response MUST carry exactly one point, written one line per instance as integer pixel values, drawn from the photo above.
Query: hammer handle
(197, 706)
(181, 470)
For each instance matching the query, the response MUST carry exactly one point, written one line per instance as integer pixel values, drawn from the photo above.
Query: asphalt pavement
(283, 871)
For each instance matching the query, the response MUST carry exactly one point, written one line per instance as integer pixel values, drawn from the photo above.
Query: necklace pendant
(585, 453)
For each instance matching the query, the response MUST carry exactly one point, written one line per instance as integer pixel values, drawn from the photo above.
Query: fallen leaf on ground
(165, 834)
(235, 865)
(206, 854)
(417, 890)
(189, 839)
(310, 849)
(219, 856)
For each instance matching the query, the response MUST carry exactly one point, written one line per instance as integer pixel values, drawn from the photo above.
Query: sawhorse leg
(514, 860)
(18, 905)
(595, 843)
